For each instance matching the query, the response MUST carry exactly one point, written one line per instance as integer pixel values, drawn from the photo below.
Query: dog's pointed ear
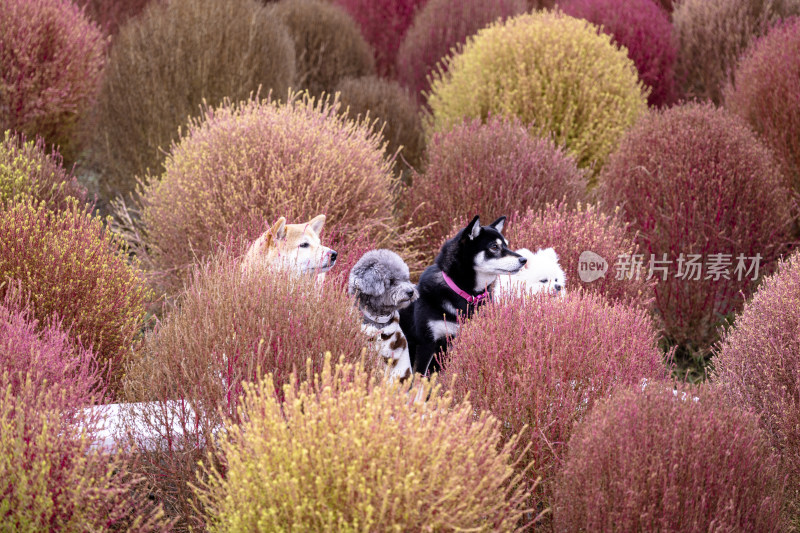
(473, 229)
(498, 224)
(316, 223)
(276, 233)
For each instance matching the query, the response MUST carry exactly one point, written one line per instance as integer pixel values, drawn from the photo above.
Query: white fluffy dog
(541, 273)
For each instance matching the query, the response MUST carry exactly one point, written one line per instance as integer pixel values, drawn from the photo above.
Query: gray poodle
(380, 283)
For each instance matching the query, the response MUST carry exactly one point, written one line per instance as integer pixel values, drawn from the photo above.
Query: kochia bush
(26, 168)
(348, 451)
(516, 68)
(666, 460)
(70, 265)
(695, 180)
(493, 169)
(51, 61)
(758, 359)
(228, 328)
(440, 27)
(543, 362)
(643, 28)
(585, 228)
(166, 63)
(767, 82)
(240, 165)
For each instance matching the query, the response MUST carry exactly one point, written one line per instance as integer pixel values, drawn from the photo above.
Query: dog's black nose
(522, 260)
(410, 292)
(334, 255)
(557, 287)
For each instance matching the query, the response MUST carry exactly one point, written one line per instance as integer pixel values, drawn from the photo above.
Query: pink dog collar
(468, 297)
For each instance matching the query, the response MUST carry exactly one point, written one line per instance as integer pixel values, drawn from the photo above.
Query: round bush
(439, 27)
(644, 29)
(50, 475)
(543, 362)
(666, 460)
(517, 69)
(765, 94)
(351, 452)
(227, 328)
(712, 34)
(328, 44)
(27, 169)
(393, 111)
(383, 24)
(166, 63)
(70, 265)
(757, 363)
(573, 231)
(51, 61)
(240, 165)
(493, 169)
(695, 180)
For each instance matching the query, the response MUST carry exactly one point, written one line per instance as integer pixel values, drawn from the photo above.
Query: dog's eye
(543, 280)
(495, 248)
(304, 245)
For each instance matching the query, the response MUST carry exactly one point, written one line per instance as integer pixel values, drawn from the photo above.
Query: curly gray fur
(380, 283)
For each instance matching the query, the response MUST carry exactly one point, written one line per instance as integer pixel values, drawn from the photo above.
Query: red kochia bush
(384, 24)
(666, 460)
(544, 362)
(227, 328)
(492, 169)
(644, 29)
(51, 58)
(766, 93)
(72, 266)
(572, 231)
(758, 363)
(439, 27)
(695, 180)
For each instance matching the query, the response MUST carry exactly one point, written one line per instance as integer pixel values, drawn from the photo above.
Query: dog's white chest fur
(392, 346)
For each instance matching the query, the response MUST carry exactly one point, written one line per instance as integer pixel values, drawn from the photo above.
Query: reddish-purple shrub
(383, 24)
(766, 92)
(758, 363)
(493, 169)
(27, 169)
(71, 265)
(227, 328)
(695, 181)
(439, 27)
(543, 362)
(51, 60)
(664, 460)
(644, 29)
(583, 229)
(240, 165)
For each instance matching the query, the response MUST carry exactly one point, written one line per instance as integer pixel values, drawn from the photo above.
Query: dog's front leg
(424, 355)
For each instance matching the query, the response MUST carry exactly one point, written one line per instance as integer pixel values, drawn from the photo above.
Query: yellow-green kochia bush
(554, 72)
(26, 169)
(347, 451)
(69, 264)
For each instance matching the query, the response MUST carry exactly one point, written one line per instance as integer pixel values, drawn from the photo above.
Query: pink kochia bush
(766, 93)
(758, 363)
(384, 24)
(348, 451)
(493, 169)
(573, 231)
(228, 328)
(438, 28)
(696, 180)
(51, 60)
(643, 28)
(667, 460)
(241, 166)
(50, 476)
(71, 265)
(543, 362)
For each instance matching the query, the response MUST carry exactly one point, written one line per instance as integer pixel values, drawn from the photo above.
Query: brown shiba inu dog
(293, 246)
